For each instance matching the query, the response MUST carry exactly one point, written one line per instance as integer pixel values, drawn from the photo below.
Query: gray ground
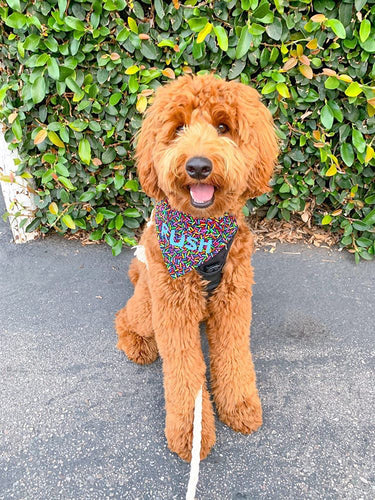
(79, 421)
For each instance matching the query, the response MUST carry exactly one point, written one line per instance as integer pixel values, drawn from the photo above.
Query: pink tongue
(201, 192)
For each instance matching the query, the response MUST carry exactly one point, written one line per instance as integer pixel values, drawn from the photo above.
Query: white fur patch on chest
(140, 251)
(140, 254)
(151, 221)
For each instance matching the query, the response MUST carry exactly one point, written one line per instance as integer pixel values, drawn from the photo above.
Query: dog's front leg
(228, 332)
(176, 314)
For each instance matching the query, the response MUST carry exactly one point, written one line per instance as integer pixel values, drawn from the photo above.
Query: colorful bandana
(187, 242)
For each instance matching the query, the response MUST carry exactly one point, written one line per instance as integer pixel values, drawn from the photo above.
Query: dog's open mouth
(202, 195)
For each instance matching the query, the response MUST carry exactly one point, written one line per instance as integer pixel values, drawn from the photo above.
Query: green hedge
(78, 75)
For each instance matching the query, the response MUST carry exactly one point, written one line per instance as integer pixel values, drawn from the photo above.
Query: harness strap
(211, 269)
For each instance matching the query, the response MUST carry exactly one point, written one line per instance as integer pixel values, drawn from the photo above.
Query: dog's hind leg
(133, 322)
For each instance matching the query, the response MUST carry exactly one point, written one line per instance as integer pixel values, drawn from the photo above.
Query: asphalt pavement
(80, 421)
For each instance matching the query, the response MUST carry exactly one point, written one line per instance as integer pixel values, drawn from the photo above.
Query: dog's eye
(179, 129)
(222, 128)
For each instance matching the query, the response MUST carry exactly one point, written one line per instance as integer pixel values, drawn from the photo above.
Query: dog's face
(207, 145)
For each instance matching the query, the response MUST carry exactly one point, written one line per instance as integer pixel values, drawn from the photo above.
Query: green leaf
(62, 7)
(269, 87)
(72, 84)
(31, 42)
(204, 33)
(53, 69)
(115, 98)
(14, 4)
(87, 196)
(81, 223)
(364, 242)
(337, 27)
(361, 225)
(17, 129)
(131, 223)
(353, 90)
(108, 156)
(133, 84)
(149, 51)
(38, 90)
(99, 218)
(256, 29)
(364, 30)
(16, 21)
(131, 212)
(68, 221)
(33, 225)
(96, 235)
(347, 153)
(370, 218)
(369, 44)
(275, 29)
(108, 214)
(358, 141)
(336, 110)
(112, 5)
(116, 248)
(237, 67)
(326, 117)
(326, 220)
(84, 151)
(282, 89)
(119, 222)
(197, 23)
(243, 43)
(51, 44)
(74, 23)
(49, 158)
(132, 70)
(78, 125)
(133, 25)
(272, 212)
(262, 11)
(159, 8)
(222, 37)
(167, 43)
(123, 35)
(55, 139)
(332, 83)
(284, 188)
(67, 183)
(62, 170)
(42, 60)
(359, 4)
(20, 48)
(132, 184)
(119, 180)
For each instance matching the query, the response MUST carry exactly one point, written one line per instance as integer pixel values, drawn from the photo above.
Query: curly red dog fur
(186, 119)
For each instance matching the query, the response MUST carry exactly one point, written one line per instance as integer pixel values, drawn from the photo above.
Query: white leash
(196, 448)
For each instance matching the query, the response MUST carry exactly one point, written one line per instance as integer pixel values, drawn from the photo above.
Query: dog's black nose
(198, 167)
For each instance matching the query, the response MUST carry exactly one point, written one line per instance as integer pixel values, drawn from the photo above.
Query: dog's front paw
(179, 433)
(245, 417)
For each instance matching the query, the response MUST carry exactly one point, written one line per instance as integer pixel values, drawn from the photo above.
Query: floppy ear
(144, 153)
(257, 133)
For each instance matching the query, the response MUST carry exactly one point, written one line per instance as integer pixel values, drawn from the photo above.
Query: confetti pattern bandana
(187, 242)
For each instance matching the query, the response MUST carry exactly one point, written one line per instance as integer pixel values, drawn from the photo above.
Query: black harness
(211, 269)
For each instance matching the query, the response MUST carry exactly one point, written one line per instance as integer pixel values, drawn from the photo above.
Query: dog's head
(207, 145)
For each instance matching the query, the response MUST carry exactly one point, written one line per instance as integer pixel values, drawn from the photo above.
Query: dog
(205, 147)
